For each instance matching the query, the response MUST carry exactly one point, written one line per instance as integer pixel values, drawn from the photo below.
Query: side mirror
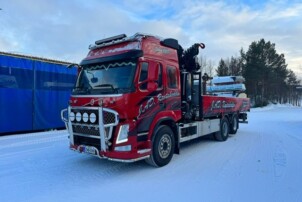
(94, 80)
(152, 84)
(153, 73)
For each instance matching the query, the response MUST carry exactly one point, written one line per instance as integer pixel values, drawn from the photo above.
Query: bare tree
(203, 63)
(210, 68)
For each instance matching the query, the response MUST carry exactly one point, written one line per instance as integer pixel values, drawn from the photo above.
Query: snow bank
(272, 106)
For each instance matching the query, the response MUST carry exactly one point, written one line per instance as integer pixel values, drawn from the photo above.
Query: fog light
(72, 116)
(92, 118)
(78, 117)
(85, 117)
(123, 148)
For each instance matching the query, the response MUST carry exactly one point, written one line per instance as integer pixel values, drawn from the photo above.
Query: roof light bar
(121, 36)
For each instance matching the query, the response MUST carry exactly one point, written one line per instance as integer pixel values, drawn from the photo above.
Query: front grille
(80, 129)
(109, 117)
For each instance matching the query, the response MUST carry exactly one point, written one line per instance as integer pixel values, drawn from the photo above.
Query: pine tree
(235, 67)
(266, 74)
(267, 77)
(222, 69)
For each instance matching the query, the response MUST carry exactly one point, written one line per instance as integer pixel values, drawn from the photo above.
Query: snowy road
(261, 163)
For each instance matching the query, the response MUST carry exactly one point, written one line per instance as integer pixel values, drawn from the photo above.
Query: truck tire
(223, 134)
(234, 124)
(163, 145)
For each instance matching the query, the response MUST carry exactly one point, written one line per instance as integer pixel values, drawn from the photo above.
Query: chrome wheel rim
(165, 146)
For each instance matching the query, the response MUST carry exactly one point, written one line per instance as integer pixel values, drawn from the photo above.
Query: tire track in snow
(280, 161)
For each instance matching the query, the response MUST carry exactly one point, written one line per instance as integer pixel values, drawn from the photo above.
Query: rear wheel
(163, 145)
(234, 124)
(223, 134)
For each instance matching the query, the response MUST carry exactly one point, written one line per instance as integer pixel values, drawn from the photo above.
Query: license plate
(89, 150)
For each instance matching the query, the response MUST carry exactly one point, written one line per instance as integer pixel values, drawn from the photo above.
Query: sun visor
(127, 55)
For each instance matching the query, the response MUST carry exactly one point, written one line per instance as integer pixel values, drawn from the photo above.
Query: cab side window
(172, 77)
(143, 75)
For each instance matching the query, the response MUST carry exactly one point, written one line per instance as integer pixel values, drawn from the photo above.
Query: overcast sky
(64, 29)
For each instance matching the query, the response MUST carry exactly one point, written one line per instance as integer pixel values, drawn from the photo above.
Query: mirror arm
(141, 83)
(73, 65)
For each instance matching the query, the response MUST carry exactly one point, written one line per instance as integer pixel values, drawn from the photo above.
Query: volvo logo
(100, 102)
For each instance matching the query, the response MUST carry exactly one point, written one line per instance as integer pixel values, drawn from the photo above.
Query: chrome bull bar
(105, 120)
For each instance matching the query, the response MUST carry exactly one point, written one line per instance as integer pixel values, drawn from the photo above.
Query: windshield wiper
(123, 90)
(106, 86)
(82, 90)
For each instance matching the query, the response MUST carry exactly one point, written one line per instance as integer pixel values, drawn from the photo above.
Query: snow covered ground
(262, 162)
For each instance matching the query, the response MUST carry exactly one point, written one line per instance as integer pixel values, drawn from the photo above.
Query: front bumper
(126, 157)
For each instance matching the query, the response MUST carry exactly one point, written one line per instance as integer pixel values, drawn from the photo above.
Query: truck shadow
(105, 169)
(207, 139)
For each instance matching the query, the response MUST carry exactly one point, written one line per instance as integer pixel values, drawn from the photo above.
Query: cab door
(150, 88)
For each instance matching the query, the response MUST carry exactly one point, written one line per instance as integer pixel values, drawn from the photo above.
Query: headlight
(85, 117)
(72, 116)
(78, 117)
(92, 118)
(123, 134)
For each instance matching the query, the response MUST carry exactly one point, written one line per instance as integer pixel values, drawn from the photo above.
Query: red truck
(139, 97)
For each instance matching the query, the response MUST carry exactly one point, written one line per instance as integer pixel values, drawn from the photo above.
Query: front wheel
(163, 145)
(223, 134)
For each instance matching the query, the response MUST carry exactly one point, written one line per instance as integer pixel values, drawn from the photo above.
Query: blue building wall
(33, 93)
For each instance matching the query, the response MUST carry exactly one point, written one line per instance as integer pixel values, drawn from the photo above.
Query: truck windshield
(106, 78)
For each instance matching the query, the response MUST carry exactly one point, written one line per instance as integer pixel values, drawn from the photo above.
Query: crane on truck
(139, 97)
